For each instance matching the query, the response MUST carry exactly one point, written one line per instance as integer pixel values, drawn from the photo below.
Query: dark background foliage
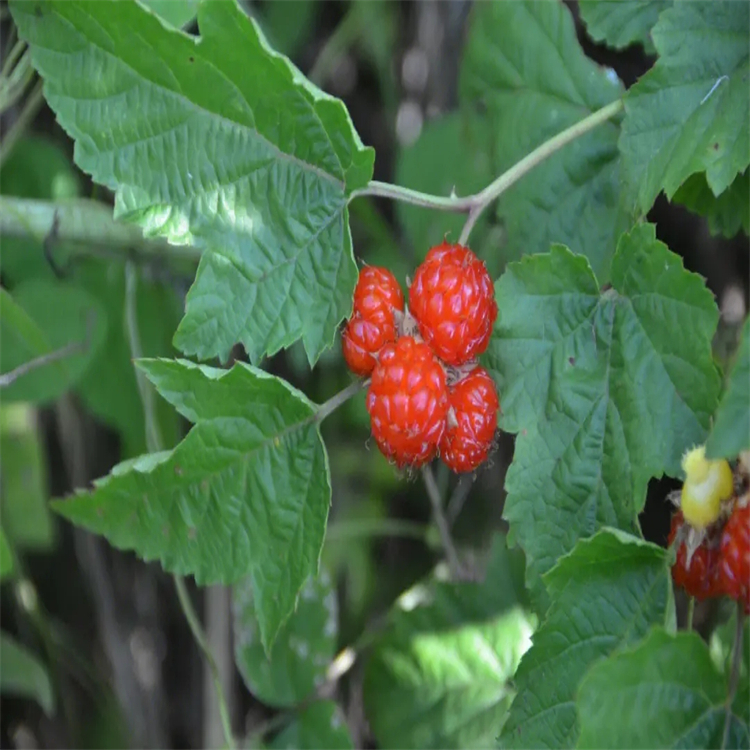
(122, 659)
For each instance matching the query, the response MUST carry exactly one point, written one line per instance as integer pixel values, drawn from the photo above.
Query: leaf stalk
(474, 205)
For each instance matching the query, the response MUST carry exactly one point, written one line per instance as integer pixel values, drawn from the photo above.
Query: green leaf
(53, 315)
(731, 429)
(21, 674)
(620, 23)
(177, 13)
(302, 651)
(726, 214)
(607, 592)
(320, 725)
(6, 557)
(691, 112)
(440, 676)
(574, 196)
(664, 692)
(463, 167)
(605, 388)
(288, 25)
(23, 480)
(246, 493)
(108, 387)
(236, 153)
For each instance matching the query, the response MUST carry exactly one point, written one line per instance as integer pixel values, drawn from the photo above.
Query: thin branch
(375, 527)
(690, 613)
(437, 511)
(458, 497)
(734, 676)
(154, 443)
(340, 40)
(74, 347)
(341, 397)
(200, 639)
(85, 223)
(26, 116)
(474, 205)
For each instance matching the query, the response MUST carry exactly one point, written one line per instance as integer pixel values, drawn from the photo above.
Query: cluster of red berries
(720, 564)
(427, 395)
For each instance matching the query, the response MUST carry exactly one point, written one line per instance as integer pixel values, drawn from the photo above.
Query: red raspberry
(701, 578)
(467, 441)
(734, 550)
(453, 300)
(377, 289)
(407, 402)
(373, 323)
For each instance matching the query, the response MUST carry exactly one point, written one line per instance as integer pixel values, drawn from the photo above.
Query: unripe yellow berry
(707, 485)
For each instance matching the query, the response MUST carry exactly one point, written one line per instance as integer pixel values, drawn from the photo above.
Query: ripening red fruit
(468, 438)
(377, 289)
(452, 299)
(734, 551)
(701, 578)
(373, 324)
(407, 402)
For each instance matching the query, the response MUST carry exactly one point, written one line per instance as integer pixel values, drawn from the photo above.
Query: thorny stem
(437, 510)
(155, 443)
(341, 397)
(474, 205)
(734, 675)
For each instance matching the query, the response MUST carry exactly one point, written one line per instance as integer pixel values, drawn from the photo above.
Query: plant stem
(341, 397)
(339, 41)
(690, 613)
(24, 119)
(45, 359)
(437, 511)
(475, 204)
(155, 443)
(85, 223)
(374, 527)
(734, 675)
(200, 639)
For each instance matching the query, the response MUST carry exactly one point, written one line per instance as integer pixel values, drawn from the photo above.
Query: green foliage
(620, 23)
(246, 493)
(302, 650)
(6, 557)
(463, 167)
(731, 428)
(175, 12)
(23, 480)
(664, 692)
(606, 593)
(574, 196)
(440, 676)
(319, 725)
(256, 169)
(23, 675)
(691, 112)
(605, 388)
(727, 213)
(108, 387)
(45, 316)
(288, 24)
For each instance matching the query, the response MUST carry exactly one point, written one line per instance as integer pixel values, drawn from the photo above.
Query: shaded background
(109, 628)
